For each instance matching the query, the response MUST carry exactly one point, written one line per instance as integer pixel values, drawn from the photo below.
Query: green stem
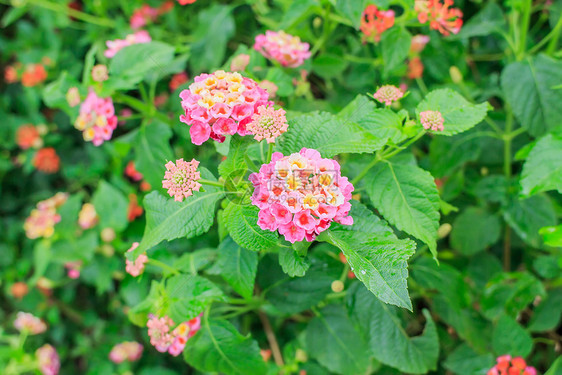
(507, 173)
(269, 152)
(555, 36)
(326, 31)
(210, 183)
(365, 170)
(526, 19)
(164, 266)
(62, 8)
(422, 86)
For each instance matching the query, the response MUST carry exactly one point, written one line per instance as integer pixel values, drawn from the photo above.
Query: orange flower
(415, 68)
(46, 160)
(178, 80)
(28, 136)
(134, 209)
(33, 75)
(374, 22)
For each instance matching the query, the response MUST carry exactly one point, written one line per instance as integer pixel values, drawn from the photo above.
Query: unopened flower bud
(456, 75)
(337, 286)
(19, 290)
(444, 230)
(301, 356)
(107, 234)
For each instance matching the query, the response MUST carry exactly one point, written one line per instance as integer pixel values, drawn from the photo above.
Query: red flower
(46, 160)
(28, 136)
(178, 80)
(33, 75)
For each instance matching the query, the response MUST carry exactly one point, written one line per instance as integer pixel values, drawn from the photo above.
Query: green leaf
(510, 337)
(542, 170)
(528, 216)
(474, 230)
(547, 314)
(297, 12)
(242, 224)
(328, 65)
(292, 263)
(389, 342)
(528, 87)
(235, 165)
(215, 27)
(487, 21)
(218, 347)
(167, 219)
(332, 340)
(552, 236)
(381, 123)
(238, 266)
(556, 368)
(188, 295)
(133, 62)
(152, 151)
(353, 10)
(465, 361)
(365, 222)
(111, 206)
(407, 197)
(379, 263)
(459, 114)
(447, 154)
(69, 216)
(395, 46)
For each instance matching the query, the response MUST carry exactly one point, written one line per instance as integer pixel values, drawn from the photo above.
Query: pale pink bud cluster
(48, 360)
(114, 46)
(97, 119)
(506, 365)
(87, 217)
(240, 62)
(73, 96)
(26, 322)
(432, 120)
(301, 194)
(172, 341)
(286, 49)
(439, 16)
(126, 351)
(387, 94)
(41, 222)
(219, 104)
(181, 179)
(99, 73)
(136, 267)
(268, 124)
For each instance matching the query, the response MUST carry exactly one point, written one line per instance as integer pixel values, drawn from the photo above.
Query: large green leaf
(238, 266)
(188, 295)
(407, 197)
(532, 89)
(333, 341)
(235, 165)
(528, 216)
(542, 170)
(489, 20)
(292, 263)
(387, 338)
(465, 361)
(242, 224)
(474, 230)
(510, 337)
(218, 347)
(459, 114)
(556, 368)
(111, 206)
(167, 219)
(152, 151)
(395, 45)
(547, 314)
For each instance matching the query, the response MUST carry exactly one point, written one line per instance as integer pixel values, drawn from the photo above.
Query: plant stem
(525, 20)
(364, 172)
(275, 350)
(507, 172)
(164, 266)
(555, 36)
(210, 183)
(269, 152)
(61, 8)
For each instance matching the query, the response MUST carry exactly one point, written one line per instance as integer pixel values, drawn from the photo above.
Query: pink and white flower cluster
(219, 104)
(114, 46)
(26, 322)
(300, 195)
(288, 50)
(181, 179)
(41, 222)
(506, 365)
(136, 267)
(48, 360)
(172, 341)
(97, 119)
(432, 120)
(387, 94)
(126, 351)
(87, 217)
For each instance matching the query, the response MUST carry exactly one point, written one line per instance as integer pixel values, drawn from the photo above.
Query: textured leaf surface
(238, 266)
(292, 263)
(188, 295)
(407, 197)
(474, 230)
(387, 338)
(152, 151)
(111, 206)
(235, 163)
(465, 361)
(242, 224)
(510, 337)
(332, 340)
(528, 216)
(395, 45)
(133, 62)
(459, 114)
(529, 87)
(167, 219)
(543, 169)
(218, 347)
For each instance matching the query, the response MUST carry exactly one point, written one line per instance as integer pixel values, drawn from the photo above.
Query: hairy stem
(275, 350)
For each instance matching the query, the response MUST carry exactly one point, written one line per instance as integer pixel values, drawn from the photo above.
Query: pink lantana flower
(505, 365)
(240, 62)
(432, 120)
(48, 359)
(268, 124)
(181, 179)
(442, 18)
(114, 46)
(375, 21)
(286, 49)
(99, 73)
(387, 94)
(29, 323)
(221, 95)
(300, 195)
(126, 351)
(136, 267)
(172, 342)
(97, 119)
(41, 222)
(87, 217)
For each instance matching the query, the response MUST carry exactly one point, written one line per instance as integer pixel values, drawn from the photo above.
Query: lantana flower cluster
(300, 195)
(97, 119)
(87, 217)
(387, 94)
(432, 120)
(284, 48)
(146, 14)
(41, 222)
(114, 46)
(375, 21)
(46, 160)
(181, 179)
(506, 365)
(126, 351)
(28, 136)
(164, 339)
(26, 322)
(219, 104)
(48, 360)
(30, 74)
(136, 267)
(439, 15)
